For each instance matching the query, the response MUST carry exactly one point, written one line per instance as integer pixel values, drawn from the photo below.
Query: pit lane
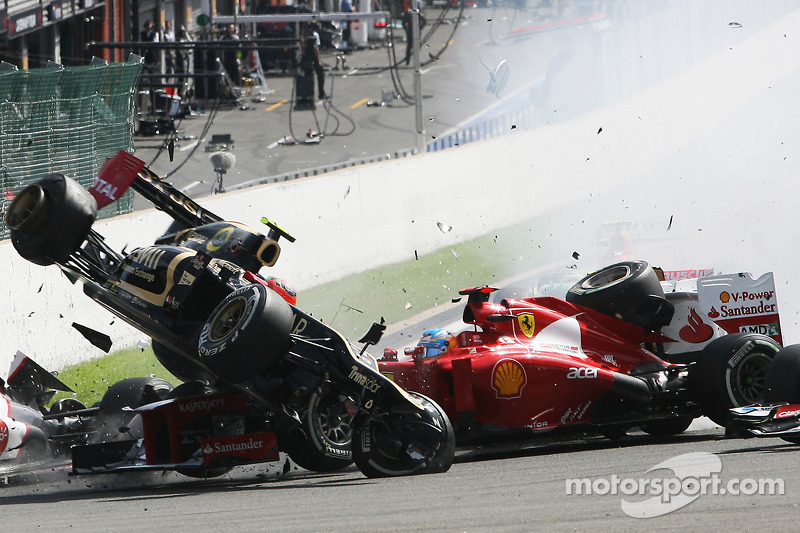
(517, 486)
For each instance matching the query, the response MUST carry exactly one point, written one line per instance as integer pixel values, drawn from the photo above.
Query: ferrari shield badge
(526, 324)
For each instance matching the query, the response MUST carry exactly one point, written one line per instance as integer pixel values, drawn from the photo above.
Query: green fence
(67, 120)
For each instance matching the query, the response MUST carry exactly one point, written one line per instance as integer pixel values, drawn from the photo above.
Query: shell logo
(508, 379)
(527, 324)
(724, 297)
(3, 436)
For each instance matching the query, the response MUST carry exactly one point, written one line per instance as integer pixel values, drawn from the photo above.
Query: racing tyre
(630, 291)
(322, 443)
(117, 403)
(247, 332)
(783, 380)
(178, 365)
(731, 371)
(50, 219)
(783, 376)
(401, 444)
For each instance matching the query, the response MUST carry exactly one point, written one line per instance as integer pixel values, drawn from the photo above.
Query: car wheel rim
(334, 421)
(607, 277)
(26, 212)
(227, 320)
(749, 379)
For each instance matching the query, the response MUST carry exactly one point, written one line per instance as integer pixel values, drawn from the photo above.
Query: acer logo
(581, 373)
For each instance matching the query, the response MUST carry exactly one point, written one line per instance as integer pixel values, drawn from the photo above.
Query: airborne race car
(618, 353)
(256, 369)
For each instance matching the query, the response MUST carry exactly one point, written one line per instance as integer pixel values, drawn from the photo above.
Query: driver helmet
(283, 288)
(437, 342)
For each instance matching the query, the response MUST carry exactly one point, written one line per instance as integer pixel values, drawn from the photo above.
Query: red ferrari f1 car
(257, 369)
(617, 353)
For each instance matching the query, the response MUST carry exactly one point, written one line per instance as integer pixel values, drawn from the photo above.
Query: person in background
(149, 35)
(406, 21)
(230, 56)
(346, 7)
(169, 54)
(309, 56)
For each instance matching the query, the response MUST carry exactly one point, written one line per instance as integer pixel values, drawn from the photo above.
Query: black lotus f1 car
(256, 369)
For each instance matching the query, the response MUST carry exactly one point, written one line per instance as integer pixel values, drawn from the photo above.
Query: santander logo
(695, 330)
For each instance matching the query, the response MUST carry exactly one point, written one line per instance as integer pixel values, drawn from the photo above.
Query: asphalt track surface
(515, 487)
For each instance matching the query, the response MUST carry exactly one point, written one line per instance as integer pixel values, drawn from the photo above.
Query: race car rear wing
(721, 304)
(124, 170)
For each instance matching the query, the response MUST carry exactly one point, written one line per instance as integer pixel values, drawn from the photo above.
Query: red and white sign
(115, 177)
(256, 447)
(739, 303)
(690, 273)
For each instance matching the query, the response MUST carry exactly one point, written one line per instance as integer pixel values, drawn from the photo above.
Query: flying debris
(455, 300)
(142, 344)
(444, 227)
(455, 254)
(735, 24)
(599, 131)
(171, 149)
(101, 340)
(347, 192)
(408, 306)
(669, 226)
(576, 255)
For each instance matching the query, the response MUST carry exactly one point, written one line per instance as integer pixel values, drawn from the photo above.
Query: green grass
(90, 380)
(351, 304)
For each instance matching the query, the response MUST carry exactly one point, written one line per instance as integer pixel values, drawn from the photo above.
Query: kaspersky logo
(508, 379)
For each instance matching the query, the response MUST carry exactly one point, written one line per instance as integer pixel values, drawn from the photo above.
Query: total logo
(581, 373)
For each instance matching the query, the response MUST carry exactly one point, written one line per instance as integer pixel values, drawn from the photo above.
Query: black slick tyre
(247, 332)
(783, 380)
(630, 291)
(120, 399)
(50, 219)
(402, 444)
(731, 371)
(323, 442)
